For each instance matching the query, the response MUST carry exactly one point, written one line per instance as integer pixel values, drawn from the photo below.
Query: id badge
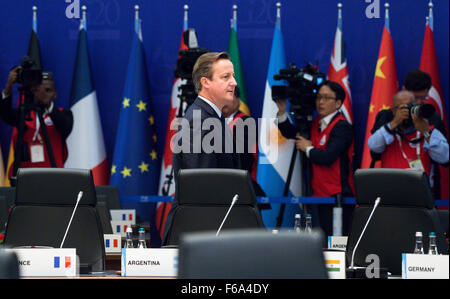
(37, 153)
(416, 165)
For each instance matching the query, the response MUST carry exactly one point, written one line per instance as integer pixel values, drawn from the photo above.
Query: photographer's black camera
(29, 74)
(422, 111)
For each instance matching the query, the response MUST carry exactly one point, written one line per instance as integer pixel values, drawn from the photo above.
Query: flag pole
(136, 19)
(340, 15)
(234, 21)
(185, 20)
(386, 19)
(35, 18)
(279, 15)
(84, 18)
(430, 14)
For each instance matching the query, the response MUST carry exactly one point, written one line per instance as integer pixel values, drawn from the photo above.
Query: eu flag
(135, 163)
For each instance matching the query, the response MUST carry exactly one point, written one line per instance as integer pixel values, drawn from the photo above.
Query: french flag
(58, 260)
(85, 143)
(112, 242)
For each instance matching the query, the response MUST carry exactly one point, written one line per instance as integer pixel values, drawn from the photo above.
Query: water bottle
(308, 223)
(432, 249)
(419, 244)
(141, 243)
(297, 223)
(129, 238)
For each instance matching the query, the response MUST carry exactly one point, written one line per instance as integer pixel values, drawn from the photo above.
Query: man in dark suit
(330, 150)
(203, 139)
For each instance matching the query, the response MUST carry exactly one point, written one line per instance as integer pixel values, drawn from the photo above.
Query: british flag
(337, 70)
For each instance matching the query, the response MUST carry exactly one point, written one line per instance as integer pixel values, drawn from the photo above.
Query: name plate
(123, 215)
(113, 242)
(424, 266)
(337, 243)
(46, 262)
(335, 264)
(150, 262)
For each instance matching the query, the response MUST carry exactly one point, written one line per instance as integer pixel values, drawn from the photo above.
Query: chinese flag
(385, 85)
(428, 64)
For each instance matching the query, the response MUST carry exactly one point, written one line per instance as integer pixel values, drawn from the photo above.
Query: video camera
(301, 91)
(185, 65)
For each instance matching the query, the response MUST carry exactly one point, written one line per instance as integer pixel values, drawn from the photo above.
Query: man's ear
(339, 104)
(204, 81)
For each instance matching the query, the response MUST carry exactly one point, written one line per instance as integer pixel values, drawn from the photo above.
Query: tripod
(26, 105)
(306, 187)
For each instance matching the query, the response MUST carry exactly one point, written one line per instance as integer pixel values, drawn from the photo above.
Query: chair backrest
(406, 206)
(9, 265)
(45, 200)
(204, 197)
(252, 254)
(7, 195)
(105, 216)
(109, 194)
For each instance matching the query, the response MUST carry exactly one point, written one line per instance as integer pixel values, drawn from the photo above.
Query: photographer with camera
(405, 138)
(36, 96)
(330, 149)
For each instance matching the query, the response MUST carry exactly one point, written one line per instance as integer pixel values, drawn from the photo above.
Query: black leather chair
(250, 254)
(110, 195)
(7, 195)
(9, 265)
(45, 199)
(105, 216)
(204, 197)
(406, 206)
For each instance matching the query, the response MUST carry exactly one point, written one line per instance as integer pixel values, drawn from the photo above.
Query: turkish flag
(429, 64)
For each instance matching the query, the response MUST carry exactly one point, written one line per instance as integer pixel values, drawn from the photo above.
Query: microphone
(352, 269)
(235, 198)
(80, 195)
(377, 201)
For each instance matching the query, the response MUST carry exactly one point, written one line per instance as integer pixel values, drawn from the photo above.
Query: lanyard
(401, 146)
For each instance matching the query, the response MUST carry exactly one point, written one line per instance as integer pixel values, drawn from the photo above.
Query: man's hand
(12, 78)
(302, 143)
(401, 113)
(281, 104)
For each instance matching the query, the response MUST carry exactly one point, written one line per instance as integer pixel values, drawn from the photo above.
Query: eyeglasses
(324, 97)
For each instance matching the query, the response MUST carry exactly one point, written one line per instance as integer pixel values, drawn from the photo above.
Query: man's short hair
(417, 80)
(203, 67)
(336, 88)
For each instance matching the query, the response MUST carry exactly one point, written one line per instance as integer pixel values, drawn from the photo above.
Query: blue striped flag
(85, 143)
(272, 173)
(135, 168)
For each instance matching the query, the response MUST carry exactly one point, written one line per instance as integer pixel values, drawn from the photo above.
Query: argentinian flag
(275, 151)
